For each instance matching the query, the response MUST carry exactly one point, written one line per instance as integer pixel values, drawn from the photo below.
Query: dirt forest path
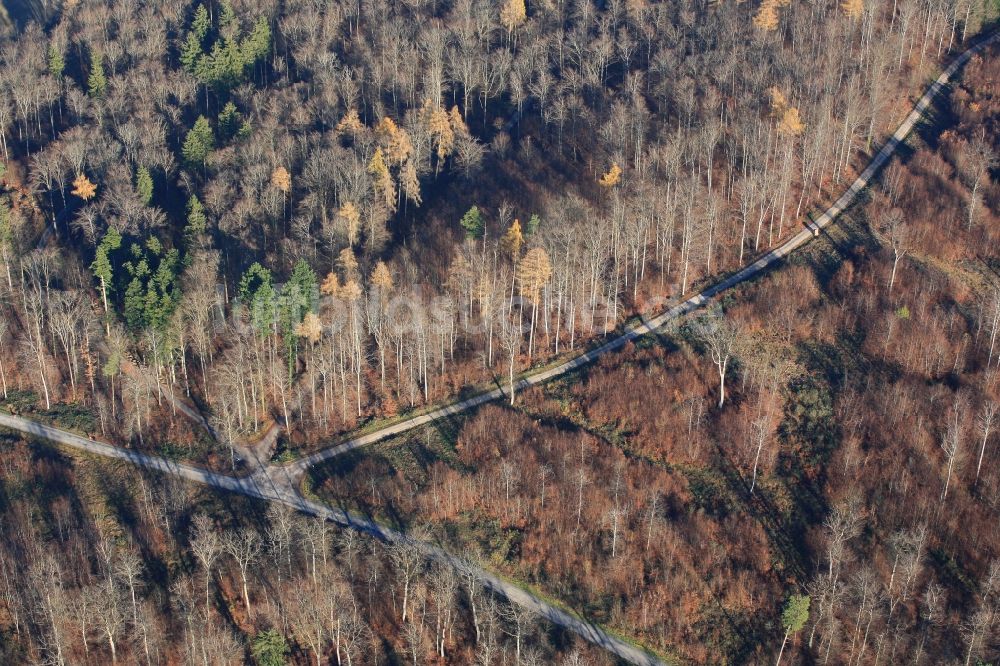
(752, 270)
(281, 483)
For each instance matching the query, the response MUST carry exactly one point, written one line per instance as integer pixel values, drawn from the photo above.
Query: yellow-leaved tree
(410, 182)
(612, 177)
(789, 122)
(512, 240)
(350, 219)
(384, 184)
(351, 291)
(853, 9)
(766, 16)
(331, 285)
(511, 243)
(382, 279)
(458, 125)
(789, 125)
(309, 328)
(348, 263)
(386, 129)
(533, 272)
(443, 134)
(513, 14)
(395, 140)
(350, 123)
(381, 284)
(281, 179)
(83, 188)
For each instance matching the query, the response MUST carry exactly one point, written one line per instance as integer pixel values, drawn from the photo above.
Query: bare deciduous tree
(207, 546)
(244, 546)
(408, 561)
(520, 622)
(985, 423)
(894, 231)
(720, 336)
(978, 158)
(951, 445)
(510, 342)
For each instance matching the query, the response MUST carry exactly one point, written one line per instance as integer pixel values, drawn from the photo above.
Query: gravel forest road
(264, 487)
(645, 327)
(280, 483)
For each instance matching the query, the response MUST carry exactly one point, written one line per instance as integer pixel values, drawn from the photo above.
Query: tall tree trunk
(782, 650)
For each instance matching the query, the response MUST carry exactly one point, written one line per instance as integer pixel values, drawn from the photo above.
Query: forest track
(647, 326)
(281, 483)
(271, 485)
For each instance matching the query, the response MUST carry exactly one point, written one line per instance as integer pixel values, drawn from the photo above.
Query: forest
(854, 461)
(103, 564)
(225, 222)
(327, 214)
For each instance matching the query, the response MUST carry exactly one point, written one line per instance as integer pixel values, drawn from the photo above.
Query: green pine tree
(269, 648)
(6, 224)
(113, 365)
(196, 220)
(473, 223)
(253, 279)
(227, 16)
(97, 83)
(204, 69)
(152, 293)
(533, 223)
(304, 280)
(135, 292)
(224, 66)
(793, 617)
(258, 43)
(8, 249)
(56, 62)
(154, 245)
(162, 294)
(230, 56)
(102, 267)
(257, 292)
(296, 300)
(112, 239)
(200, 24)
(191, 53)
(229, 121)
(230, 65)
(144, 185)
(199, 143)
(102, 270)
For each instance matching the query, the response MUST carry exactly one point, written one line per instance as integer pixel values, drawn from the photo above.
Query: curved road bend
(280, 483)
(297, 467)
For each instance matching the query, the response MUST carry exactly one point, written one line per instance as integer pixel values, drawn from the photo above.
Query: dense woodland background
(326, 214)
(855, 459)
(103, 564)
